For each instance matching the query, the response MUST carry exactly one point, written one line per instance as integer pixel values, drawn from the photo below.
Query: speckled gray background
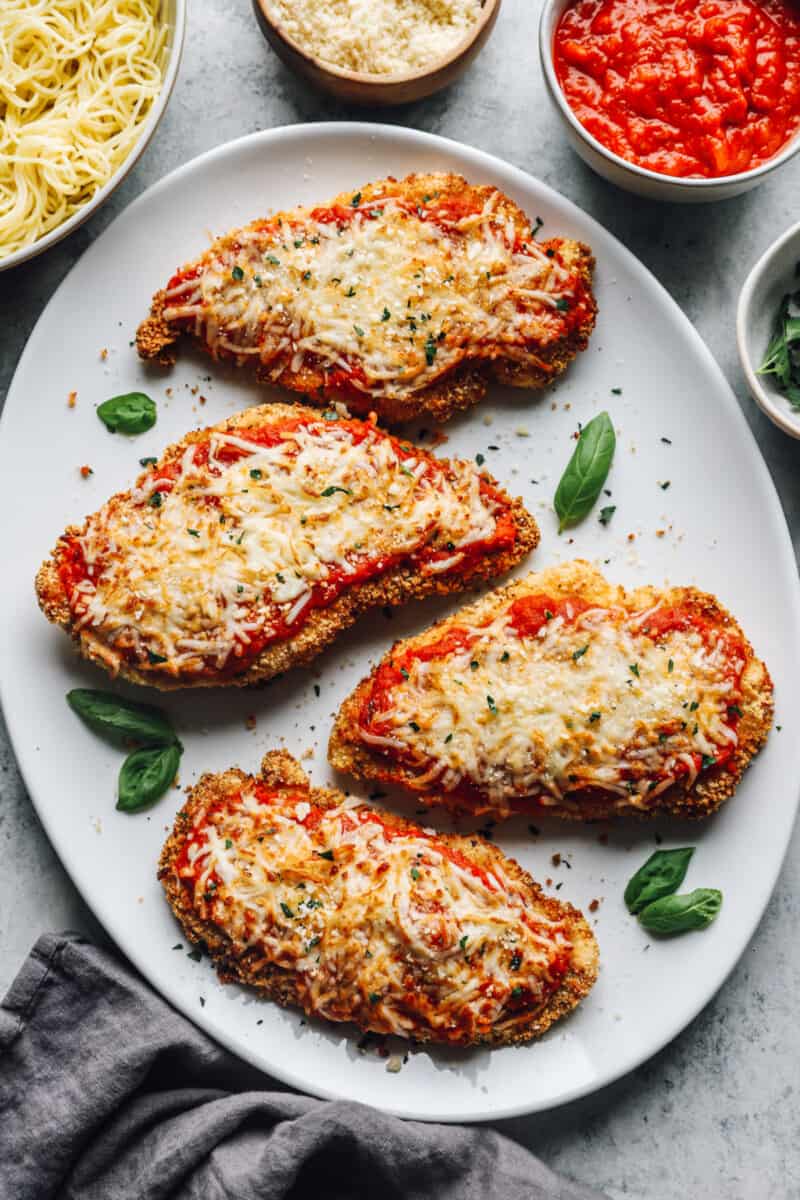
(713, 1117)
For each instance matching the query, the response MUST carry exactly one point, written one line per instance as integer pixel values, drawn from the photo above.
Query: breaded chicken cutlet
(249, 546)
(404, 298)
(565, 694)
(325, 903)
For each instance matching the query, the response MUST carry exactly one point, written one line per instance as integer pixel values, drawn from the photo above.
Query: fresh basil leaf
(680, 914)
(586, 472)
(145, 776)
(663, 873)
(132, 413)
(120, 720)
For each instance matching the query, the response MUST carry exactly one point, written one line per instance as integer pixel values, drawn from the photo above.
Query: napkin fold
(106, 1093)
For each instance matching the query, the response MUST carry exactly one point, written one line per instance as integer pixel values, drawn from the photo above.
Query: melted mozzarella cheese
(588, 703)
(388, 931)
(399, 294)
(186, 572)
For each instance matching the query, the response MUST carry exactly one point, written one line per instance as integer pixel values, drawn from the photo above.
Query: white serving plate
(724, 531)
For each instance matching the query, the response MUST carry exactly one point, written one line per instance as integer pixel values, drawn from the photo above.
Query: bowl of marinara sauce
(687, 100)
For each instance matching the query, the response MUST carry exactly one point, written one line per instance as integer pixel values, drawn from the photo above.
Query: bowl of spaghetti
(82, 89)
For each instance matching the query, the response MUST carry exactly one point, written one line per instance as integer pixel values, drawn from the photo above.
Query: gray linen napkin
(106, 1093)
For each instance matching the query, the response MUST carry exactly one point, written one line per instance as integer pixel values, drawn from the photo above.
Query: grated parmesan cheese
(376, 37)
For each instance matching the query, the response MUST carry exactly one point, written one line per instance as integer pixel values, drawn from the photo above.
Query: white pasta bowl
(174, 14)
(771, 278)
(639, 180)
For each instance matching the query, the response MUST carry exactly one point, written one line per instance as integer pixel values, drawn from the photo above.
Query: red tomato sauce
(683, 88)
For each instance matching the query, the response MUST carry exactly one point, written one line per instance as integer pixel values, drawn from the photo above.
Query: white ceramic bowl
(175, 15)
(627, 175)
(768, 282)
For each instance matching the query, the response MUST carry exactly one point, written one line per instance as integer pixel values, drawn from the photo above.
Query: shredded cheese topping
(403, 293)
(234, 544)
(386, 928)
(591, 701)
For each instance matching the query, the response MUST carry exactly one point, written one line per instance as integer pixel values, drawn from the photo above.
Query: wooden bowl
(358, 87)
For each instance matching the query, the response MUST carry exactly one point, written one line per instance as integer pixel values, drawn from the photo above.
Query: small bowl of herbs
(768, 332)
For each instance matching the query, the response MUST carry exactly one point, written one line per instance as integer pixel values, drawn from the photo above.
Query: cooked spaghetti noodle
(77, 79)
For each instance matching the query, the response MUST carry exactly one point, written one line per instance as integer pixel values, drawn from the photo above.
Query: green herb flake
(276, 262)
(414, 874)
(607, 513)
(480, 460)
(430, 349)
(359, 331)
(237, 273)
(385, 315)
(448, 739)
(147, 462)
(670, 666)
(326, 854)
(634, 669)
(255, 473)
(579, 653)
(562, 304)
(594, 716)
(491, 705)
(354, 203)
(287, 912)
(329, 491)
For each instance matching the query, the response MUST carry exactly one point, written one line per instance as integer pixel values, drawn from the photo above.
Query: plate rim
(486, 161)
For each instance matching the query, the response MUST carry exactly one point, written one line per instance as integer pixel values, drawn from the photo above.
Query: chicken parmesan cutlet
(250, 545)
(404, 298)
(328, 904)
(563, 693)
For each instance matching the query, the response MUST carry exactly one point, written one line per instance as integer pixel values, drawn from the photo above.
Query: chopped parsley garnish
(255, 473)
(329, 491)
(228, 844)
(404, 673)
(413, 725)
(374, 997)
(708, 761)
(579, 653)
(351, 291)
(634, 669)
(480, 460)
(193, 532)
(734, 708)
(492, 705)
(287, 912)
(473, 666)
(616, 391)
(155, 659)
(155, 500)
(463, 942)
(548, 616)
(449, 738)
(594, 716)
(562, 304)
(359, 331)
(298, 242)
(306, 276)
(670, 667)
(391, 507)
(505, 656)
(257, 280)
(665, 485)
(327, 854)
(430, 349)
(276, 262)
(516, 991)
(385, 315)
(414, 874)
(516, 961)
(694, 706)
(315, 941)
(147, 462)
(237, 273)
(607, 513)
(354, 203)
